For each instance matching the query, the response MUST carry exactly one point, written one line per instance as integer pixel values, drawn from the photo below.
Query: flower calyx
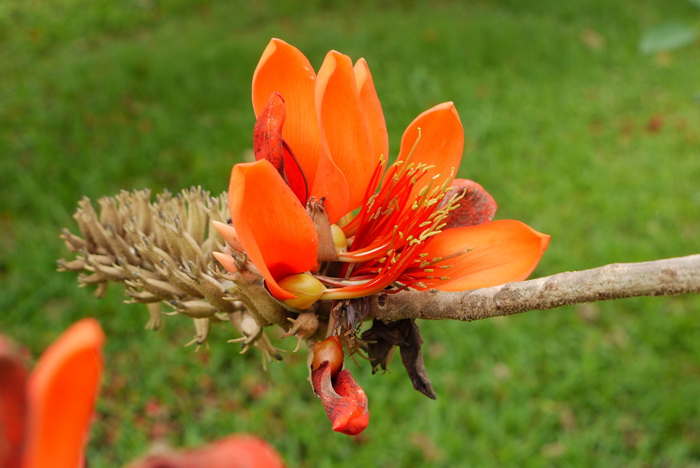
(303, 327)
(326, 242)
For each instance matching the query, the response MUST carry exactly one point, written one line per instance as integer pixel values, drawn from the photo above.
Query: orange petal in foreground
(494, 253)
(271, 225)
(61, 395)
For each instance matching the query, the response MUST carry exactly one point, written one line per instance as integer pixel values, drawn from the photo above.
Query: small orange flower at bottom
(321, 202)
(343, 399)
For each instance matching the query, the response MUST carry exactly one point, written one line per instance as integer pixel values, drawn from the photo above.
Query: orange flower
(320, 144)
(321, 141)
(46, 417)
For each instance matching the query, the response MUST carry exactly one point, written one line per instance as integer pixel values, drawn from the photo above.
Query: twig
(665, 277)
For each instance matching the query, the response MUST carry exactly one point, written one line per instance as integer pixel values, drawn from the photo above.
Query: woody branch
(665, 277)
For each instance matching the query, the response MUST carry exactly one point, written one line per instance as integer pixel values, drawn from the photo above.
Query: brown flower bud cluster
(161, 251)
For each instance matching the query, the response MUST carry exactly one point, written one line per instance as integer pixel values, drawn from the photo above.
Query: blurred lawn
(568, 127)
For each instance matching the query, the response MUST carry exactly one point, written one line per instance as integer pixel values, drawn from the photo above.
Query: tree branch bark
(665, 277)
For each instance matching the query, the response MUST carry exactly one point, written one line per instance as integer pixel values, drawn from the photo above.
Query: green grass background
(568, 126)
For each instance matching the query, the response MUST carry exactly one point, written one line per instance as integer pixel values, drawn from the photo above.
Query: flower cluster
(322, 216)
(319, 194)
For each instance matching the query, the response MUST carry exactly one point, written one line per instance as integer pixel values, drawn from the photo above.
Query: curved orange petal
(440, 144)
(332, 185)
(372, 109)
(498, 252)
(344, 131)
(272, 227)
(61, 394)
(284, 69)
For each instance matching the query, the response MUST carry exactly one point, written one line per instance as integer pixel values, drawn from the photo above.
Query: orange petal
(331, 185)
(344, 131)
(440, 144)
(61, 394)
(272, 226)
(372, 109)
(500, 252)
(284, 69)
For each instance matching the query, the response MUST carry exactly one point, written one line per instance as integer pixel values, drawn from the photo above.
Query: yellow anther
(424, 236)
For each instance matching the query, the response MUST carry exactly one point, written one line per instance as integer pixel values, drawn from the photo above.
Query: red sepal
(343, 399)
(476, 206)
(269, 144)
